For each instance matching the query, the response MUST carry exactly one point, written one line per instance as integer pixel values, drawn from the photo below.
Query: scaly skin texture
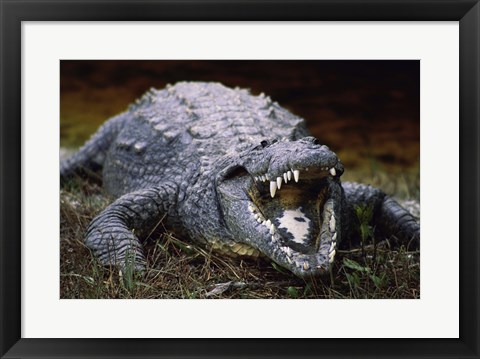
(229, 170)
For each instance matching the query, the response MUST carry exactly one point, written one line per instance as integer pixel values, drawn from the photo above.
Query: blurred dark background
(366, 111)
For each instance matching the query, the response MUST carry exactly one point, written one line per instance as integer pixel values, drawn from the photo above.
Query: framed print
(321, 92)
(395, 86)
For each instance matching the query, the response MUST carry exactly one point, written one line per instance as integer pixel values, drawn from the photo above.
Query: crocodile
(232, 171)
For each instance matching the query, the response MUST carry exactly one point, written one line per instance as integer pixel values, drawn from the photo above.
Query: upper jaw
(284, 161)
(277, 180)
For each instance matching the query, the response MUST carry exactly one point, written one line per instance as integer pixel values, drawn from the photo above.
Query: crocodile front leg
(388, 217)
(113, 234)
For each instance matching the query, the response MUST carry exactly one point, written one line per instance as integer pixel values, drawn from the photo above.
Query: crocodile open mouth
(298, 212)
(291, 218)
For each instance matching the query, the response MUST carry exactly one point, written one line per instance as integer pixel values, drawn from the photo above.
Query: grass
(178, 269)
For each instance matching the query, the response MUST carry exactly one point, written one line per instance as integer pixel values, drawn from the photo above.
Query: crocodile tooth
(334, 237)
(296, 175)
(259, 220)
(332, 223)
(287, 251)
(289, 260)
(272, 229)
(332, 247)
(289, 175)
(256, 215)
(285, 177)
(264, 223)
(273, 188)
(251, 209)
(332, 171)
(267, 176)
(274, 239)
(306, 266)
(331, 256)
(268, 223)
(279, 182)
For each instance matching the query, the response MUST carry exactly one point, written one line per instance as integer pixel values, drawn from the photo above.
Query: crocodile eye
(313, 140)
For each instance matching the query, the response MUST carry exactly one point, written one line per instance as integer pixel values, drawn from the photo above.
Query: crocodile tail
(88, 160)
(400, 223)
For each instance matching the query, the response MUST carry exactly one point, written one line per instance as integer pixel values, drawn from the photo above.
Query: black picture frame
(467, 12)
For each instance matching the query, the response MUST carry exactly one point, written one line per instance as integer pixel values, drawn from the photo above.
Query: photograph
(242, 179)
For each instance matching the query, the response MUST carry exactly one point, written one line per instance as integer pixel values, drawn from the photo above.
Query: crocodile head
(283, 198)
